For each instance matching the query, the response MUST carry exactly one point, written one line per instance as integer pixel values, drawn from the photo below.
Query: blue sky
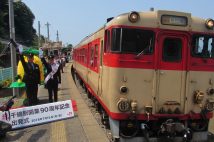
(76, 19)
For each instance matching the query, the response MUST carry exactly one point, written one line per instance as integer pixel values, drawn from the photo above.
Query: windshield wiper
(138, 55)
(145, 49)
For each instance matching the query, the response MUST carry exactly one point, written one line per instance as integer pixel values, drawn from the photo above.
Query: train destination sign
(39, 114)
(174, 20)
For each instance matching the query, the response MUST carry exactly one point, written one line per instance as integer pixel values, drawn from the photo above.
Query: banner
(39, 114)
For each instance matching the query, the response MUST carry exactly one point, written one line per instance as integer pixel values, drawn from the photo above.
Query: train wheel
(98, 107)
(81, 82)
(129, 129)
(76, 78)
(104, 119)
(88, 94)
(84, 87)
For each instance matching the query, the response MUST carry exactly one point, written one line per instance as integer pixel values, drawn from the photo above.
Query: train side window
(78, 55)
(116, 40)
(96, 55)
(92, 57)
(84, 56)
(172, 50)
(108, 41)
(101, 54)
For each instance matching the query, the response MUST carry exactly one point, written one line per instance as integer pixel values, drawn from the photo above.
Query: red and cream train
(151, 74)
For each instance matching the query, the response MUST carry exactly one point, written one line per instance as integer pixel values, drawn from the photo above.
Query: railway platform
(83, 127)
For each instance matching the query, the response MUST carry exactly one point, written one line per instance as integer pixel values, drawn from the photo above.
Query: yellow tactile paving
(58, 133)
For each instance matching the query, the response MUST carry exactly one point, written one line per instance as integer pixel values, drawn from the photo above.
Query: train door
(171, 73)
(101, 67)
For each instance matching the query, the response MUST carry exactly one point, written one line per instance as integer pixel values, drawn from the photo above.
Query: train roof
(152, 19)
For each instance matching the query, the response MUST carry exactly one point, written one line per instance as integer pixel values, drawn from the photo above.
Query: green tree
(35, 41)
(4, 31)
(69, 46)
(23, 18)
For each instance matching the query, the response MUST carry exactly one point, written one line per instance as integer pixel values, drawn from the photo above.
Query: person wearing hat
(31, 78)
(52, 78)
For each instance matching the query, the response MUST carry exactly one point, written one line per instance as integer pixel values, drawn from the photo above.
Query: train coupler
(171, 129)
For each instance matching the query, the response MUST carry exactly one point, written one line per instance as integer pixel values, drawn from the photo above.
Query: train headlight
(123, 105)
(209, 23)
(210, 105)
(210, 91)
(123, 89)
(198, 97)
(134, 106)
(134, 16)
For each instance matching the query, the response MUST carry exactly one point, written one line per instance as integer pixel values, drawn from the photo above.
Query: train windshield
(203, 46)
(134, 41)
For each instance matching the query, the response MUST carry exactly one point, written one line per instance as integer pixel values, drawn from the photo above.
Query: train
(150, 74)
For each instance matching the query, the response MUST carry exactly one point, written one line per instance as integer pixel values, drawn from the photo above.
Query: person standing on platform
(52, 78)
(31, 76)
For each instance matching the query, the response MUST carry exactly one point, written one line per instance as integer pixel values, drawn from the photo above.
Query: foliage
(4, 18)
(69, 46)
(24, 23)
(35, 41)
(23, 18)
(1, 47)
(5, 83)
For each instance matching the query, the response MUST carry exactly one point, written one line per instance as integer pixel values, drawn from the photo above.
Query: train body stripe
(148, 62)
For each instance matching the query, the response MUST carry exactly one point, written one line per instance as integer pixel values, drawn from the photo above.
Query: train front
(158, 74)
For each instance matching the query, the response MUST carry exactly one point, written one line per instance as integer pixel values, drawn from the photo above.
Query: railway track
(93, 110)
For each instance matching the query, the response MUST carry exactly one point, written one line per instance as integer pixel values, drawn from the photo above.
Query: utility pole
(39, 39)
(12, 36)
(48, 30)
(57, 36)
